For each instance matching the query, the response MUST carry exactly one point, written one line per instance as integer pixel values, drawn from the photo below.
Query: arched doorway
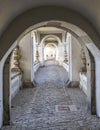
(50, 52)
(11, 40)
(6, 92)
(89, 72)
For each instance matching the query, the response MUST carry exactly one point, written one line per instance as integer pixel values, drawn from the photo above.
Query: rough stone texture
(35, 108)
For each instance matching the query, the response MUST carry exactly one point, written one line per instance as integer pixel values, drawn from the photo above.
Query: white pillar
(42, 55)
(96, 54)
(74, 60)
(25, 45)
(32, 59)
(1, 80)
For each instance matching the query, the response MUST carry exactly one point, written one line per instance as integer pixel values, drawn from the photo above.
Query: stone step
(48, 128)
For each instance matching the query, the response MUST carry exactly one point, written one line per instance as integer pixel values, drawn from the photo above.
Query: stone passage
(51, 106)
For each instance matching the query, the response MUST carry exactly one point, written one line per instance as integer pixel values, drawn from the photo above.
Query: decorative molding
(83, 57)
(16, 58)
(65, 55)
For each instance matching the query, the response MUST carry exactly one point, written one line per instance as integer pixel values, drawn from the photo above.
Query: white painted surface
(36, 66)
(25, 45)
(75, 59)
(1, 94)
(32, 59)
(15, 84)
(96, 54)
(41, 53)
(61, 53)
(50, 52)
(1, 80)
(66, 66)
(83, 82)
(88, 9)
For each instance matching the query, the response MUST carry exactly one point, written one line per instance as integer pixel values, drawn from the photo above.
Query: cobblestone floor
(51, 106)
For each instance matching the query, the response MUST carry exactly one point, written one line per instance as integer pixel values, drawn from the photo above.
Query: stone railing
(66, 66)
(15, 83)
(83, 82)
(36, 66)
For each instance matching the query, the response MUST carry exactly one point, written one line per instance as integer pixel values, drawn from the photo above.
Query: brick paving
(51, 105)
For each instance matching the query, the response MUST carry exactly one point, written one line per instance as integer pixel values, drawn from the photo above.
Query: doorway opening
(37, 67)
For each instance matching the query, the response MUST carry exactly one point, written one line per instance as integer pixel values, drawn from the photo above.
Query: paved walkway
(51, 106)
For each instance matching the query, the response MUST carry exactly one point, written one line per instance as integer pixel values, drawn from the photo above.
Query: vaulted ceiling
(9, 9)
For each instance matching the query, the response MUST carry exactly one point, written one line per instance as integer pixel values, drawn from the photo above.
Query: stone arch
(45, 38)
(57, 13)
(54, 46)
(6, 92)
(53, 36)
(42, 44)
(80, 40)
(17, 27)
(91, 97)
(93, 84)
(5, 87)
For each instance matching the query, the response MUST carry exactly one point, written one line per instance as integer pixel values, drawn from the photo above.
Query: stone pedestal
(28, 84)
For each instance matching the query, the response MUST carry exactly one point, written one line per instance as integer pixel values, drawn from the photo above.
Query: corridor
(51, 105)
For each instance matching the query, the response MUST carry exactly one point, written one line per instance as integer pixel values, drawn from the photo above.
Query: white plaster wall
(83, 82)
(49, 51)
(25, 45)
(32, 58)
(75, 59)
(36, 66)
(96, 54)
(1, 90)
(41, 53)
(61, 53)
(66, 66)
(15, 83)
(1, 80)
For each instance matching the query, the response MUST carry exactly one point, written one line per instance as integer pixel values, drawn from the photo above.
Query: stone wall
(25, 45)
(74, 59)
(15, 83)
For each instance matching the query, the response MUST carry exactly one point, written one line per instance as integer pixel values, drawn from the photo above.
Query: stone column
(16, 58)
(42, 55)
(6, 92)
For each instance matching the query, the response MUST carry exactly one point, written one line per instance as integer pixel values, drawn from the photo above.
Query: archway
(6, 92)
(87, 54)
(50, 51)
(17, 29)
(87, 60)
(8, 81)
(11, 39)
(54, 41)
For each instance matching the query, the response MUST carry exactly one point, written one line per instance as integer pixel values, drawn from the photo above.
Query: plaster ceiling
(9, 9)
(51, 39)
(49, 30)
(50, 45)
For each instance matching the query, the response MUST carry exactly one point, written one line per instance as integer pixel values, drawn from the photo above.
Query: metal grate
(65, 108)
